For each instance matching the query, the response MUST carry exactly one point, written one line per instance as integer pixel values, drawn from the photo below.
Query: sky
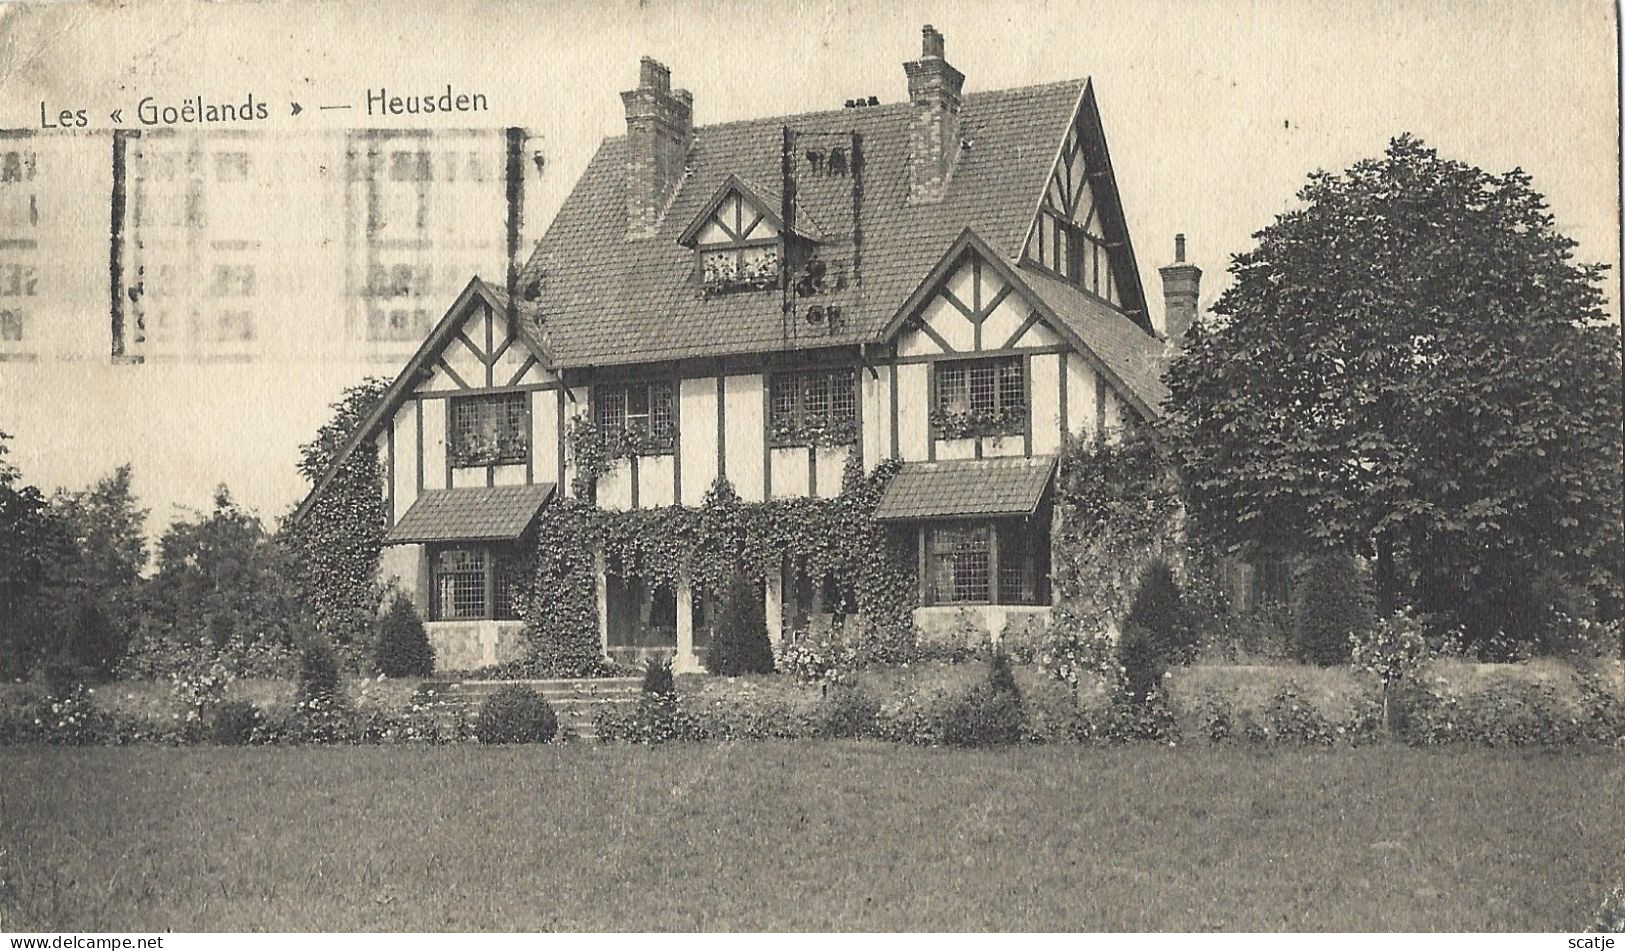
(1215, 112)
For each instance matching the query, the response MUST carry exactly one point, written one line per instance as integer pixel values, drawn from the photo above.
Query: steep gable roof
(604, 299)
(1127, 355)
(476, 291)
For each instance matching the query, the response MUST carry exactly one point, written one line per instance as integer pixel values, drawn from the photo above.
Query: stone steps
(575, 702)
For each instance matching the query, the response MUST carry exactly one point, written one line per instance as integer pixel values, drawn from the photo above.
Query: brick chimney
(659, 132)
(933, 126)
(1181, 283)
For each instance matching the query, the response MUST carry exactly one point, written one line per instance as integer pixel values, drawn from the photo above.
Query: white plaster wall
(745, 435)
(1080, 395)
(789, 472)
(655, 474)
(913, 421)
(406, 457)
(544, 434)
(508, 475)
(875, 392)
(698, 411)
(1046, 408)
(831, 462)
(434, 445)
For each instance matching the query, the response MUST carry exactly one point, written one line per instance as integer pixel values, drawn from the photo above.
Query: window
(738, 247)
(472, 583)
(815, 407)
(489, 430)
(996, 562)
(637, 417)
(980, 398)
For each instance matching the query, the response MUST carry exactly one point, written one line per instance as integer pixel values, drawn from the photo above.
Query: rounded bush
(984, 716)
(657, 678)
(403, 645)
(516, 714)
(318, 669)
(1159, 609)
(234, 722)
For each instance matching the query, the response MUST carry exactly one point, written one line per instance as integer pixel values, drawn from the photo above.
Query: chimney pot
(931, 43)
(1179, 249)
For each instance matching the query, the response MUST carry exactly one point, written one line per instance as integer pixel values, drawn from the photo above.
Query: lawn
(814, 835)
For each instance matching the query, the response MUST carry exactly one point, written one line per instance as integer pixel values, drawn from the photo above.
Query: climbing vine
(837, 538)
(335, 548)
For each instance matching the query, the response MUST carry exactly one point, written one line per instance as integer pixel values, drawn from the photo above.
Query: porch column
(600, 571)
(774, 605)
(686, 661)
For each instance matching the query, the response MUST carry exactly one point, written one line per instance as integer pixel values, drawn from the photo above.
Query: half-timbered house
(946, 281)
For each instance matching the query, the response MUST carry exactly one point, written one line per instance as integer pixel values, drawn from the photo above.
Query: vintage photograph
(731, 467)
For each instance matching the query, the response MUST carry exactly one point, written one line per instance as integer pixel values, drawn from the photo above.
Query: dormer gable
(738, 239)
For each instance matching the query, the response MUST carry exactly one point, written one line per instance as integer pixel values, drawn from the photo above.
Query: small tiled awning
(966, 487)
(485, 514)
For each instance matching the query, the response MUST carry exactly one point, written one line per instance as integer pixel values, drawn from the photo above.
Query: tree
(1411, 366)
(98, 593)
(35, 548)
(740, 645)
(220, 578)
(334, 550)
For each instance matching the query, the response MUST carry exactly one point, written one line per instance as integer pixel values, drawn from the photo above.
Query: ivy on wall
(837, 538)
(335, 548)
(1119, 507)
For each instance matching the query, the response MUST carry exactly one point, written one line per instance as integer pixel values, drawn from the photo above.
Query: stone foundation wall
(972, 625)
(469, 645)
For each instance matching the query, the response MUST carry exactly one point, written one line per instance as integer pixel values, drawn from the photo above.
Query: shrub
(848, 712)
(1336, 606)
(318, 669)
(1140, 656)
(653, 719)
(403, 645)
(815, 656)
(234, 722)
(740, 645)
(1292, 719)
(516, 714)
(990, 713)
(657, 678)
(1159, 609)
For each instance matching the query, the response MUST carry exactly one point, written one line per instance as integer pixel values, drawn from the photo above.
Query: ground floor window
(476, 582)
(999, 561)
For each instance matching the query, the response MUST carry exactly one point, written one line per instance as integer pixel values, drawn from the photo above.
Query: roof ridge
(882, 108)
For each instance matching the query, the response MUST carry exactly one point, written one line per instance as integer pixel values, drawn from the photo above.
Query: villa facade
(946, 281)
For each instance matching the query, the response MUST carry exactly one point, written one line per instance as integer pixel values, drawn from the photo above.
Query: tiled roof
(493, 513)
(603, 299)
(1001, 486)
(1130, 353)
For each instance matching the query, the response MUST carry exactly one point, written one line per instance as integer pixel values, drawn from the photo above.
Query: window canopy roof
(966, 488)
(485, 514)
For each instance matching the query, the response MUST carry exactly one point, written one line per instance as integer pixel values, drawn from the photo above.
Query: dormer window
(737, 240)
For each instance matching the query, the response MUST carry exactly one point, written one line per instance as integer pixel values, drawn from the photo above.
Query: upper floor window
(814, 408)
(985, 397)
(489, 430)
(1068, 239)
(639, 418)
(737, 242)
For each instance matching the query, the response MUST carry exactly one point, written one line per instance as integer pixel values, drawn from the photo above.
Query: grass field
(806, 836)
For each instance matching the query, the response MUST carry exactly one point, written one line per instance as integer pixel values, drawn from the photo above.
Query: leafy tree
(403, 644)
(221, 578)
(98, 593)
(334, 549)
(1412, 366)
(740, 645)
(35, 549)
